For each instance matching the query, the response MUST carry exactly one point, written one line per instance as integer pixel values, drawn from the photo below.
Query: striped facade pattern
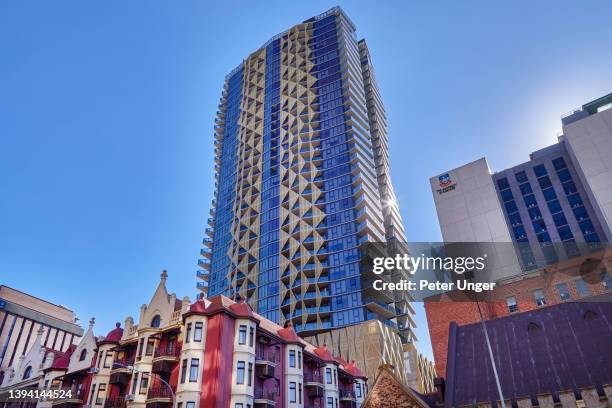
(21, 317)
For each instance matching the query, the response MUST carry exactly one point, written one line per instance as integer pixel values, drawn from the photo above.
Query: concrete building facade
(563, 194)
(22, 316)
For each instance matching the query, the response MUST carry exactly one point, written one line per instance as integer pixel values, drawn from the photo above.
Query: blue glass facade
(298, 195)
(226, 180)
(543, 204)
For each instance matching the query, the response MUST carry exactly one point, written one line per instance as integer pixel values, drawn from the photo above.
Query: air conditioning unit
(94, 370)
(129, 397)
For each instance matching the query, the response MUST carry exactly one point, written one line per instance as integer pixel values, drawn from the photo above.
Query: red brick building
(570, 280)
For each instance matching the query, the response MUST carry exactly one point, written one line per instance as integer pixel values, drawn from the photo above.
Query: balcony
(74, 398)
(115, 402)
(122, 365)
(347, 395)
(121, 378)
(165, 358)
(160, 394)
(264, 398)
(380, 308)
(313, 384)
(265, 363)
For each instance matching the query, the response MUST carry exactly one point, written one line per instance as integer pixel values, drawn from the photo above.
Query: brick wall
(441, 310)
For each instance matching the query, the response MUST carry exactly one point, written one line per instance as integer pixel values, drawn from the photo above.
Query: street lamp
(157, 377)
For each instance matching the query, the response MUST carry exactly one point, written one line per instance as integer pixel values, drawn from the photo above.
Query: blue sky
(106, 114)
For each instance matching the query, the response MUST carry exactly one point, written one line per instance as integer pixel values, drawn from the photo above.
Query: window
(506, 195)
(27, 373)
(606, 279)
(540, 170)
(582, 287)
(251, 336)
(300, 393)
(156, 321)
(100, 356)
(530, 201)
(193, 370)
(328, 376)
(140, 347)
(292, 394)
(83, 355)
(188, 333)
(554, 206)
(150, 347)
(134, 383)
(563, 291)
(330, 402)
(549, 194)
(183, 371)
(511, 207)
(503, 184)
(239, 405)
(564, 175)
(250, 373)
(358, 390)
(545, 182)
(335, 376)
(559, 219)
(240, 373)
(521, 176)
(197, 333)
(526, 189)
(190, 404)
(540, 300)
(512, 305)
(299, 359)
(91, 395)
(179, 405)
(559, 163)
(107, 359)
(100, 394)
(291, 358)
(565, 233)
(242, 334)
(144, 383)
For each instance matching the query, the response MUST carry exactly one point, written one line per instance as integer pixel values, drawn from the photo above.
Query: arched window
(83, 355)
(27, 373)
(156, 321)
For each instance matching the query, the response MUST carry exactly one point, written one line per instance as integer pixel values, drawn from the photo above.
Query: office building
(563, 194)
(302, 183)
(22, 316)
(555, 209)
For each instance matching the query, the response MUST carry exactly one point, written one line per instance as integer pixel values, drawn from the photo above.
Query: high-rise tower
(302, 179)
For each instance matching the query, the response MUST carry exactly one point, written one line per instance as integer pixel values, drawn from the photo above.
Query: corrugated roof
(561, 347)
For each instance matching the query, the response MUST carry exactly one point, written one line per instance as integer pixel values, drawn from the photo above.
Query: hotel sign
(446, 184)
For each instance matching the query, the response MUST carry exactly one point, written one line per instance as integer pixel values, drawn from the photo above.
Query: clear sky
(107, 108)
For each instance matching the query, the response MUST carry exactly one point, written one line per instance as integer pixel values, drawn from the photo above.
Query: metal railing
(347, 394)
(261, 393)
(168, 351)
(271, 356)
(160, 391)
(115, 402)
(313, 377)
